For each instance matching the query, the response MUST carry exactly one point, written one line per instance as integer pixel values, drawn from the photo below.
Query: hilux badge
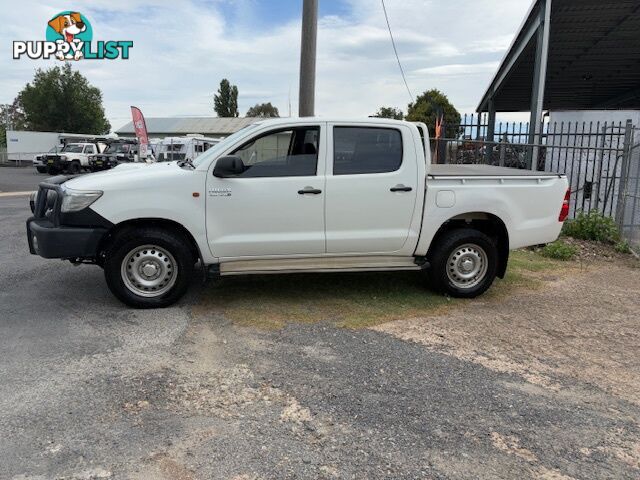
(219, 192)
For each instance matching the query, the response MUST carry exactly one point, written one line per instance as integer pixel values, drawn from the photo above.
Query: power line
(393, 42)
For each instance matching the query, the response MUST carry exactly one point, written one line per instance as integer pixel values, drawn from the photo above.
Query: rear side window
(360, 150)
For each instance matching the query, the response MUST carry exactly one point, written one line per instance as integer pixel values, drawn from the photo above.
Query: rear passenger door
(371, 189)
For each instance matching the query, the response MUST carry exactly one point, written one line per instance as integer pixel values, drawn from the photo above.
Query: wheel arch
(150, 222)
(488, 223)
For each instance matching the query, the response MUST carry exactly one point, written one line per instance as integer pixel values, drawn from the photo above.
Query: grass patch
(346, 300)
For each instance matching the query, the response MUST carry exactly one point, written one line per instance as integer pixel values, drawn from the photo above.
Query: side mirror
(229, 166)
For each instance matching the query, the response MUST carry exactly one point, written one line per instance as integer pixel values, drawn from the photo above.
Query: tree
(429, 106)
(390, 112)
(11, 118)
(263, 110)
(225, 102)
(62, 100)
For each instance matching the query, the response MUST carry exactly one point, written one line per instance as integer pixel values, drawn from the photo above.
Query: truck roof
(306, 120)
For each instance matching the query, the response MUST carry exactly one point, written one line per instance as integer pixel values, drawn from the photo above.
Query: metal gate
(601, 161)
(628, 210)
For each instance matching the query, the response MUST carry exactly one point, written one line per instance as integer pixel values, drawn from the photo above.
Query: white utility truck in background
(298, 195)
(73, 158)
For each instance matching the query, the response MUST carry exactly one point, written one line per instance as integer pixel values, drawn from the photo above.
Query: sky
(183, 48)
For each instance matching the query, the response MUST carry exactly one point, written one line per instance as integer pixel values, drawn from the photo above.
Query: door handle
(309, 191)
(401, 188)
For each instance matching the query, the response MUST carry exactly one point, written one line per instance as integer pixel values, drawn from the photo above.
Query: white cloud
(459, 69)
(183, 49)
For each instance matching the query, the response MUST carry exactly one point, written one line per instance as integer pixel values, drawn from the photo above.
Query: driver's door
(276, 206)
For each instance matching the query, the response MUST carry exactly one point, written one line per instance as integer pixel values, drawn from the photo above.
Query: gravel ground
(543, 384)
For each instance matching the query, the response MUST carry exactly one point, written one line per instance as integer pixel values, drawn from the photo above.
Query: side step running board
(317, 265)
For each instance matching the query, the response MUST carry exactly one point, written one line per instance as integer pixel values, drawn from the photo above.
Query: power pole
(308, 58)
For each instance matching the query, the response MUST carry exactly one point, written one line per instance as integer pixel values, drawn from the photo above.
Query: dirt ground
(575, 335)
(581, 322)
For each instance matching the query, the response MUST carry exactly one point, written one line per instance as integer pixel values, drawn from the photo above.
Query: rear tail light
(564, 211)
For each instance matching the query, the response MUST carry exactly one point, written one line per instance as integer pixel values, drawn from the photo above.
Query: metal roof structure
(158, 126)
(571, 55)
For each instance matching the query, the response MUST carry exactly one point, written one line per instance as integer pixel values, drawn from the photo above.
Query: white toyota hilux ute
(298, 195)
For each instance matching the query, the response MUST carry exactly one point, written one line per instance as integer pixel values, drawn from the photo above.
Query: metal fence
(628, 211)
(601, 160)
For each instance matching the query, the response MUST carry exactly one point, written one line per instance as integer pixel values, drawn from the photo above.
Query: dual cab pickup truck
(298, 195)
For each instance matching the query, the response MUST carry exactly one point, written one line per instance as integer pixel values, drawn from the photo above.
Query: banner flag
(140, 128)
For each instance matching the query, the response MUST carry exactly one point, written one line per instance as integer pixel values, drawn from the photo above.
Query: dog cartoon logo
(72, 28)
(69, 36)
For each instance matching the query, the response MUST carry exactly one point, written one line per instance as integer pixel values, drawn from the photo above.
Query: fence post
(624, 175)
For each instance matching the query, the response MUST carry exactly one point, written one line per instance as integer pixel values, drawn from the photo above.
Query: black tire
(41, 169)
(75, 167)
(129, 240)
(468, 244)
(52, 171)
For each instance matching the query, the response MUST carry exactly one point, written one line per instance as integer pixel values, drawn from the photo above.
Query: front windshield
(118, 148)
(230, 140)
(73, 149)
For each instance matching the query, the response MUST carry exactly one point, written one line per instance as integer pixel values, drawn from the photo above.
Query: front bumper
(49, 241)
(53, 234)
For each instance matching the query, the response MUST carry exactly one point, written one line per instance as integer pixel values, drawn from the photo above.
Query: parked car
(39, 160)
(299, 195)
(73, 158)
(117, 152)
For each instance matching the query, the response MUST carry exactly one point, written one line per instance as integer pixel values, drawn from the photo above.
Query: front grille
(49, 200)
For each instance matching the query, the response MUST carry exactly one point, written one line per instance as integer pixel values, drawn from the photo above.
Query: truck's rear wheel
(148, 267)
(463, 263)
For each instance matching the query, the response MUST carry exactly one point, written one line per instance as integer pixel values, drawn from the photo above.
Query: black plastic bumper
(50, 241)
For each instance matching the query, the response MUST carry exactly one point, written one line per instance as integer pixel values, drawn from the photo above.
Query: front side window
(290, 152)
(360, 150)
(89, 149)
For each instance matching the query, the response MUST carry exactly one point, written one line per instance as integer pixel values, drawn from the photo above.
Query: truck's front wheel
(463, 263)
(148, 267)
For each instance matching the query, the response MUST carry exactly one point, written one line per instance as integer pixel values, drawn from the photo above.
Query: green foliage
(559, 250)
(390, 112)
(593, 226)
(622, 247)
(263, 110)
(429, 106)
(62, 100)
(11, 118)
(225, 102)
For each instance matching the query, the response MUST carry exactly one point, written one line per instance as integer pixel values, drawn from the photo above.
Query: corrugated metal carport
(569, 55)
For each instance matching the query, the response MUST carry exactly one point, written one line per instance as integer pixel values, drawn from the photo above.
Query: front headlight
(76, 200)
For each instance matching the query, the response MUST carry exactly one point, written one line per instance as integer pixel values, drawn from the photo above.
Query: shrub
(622, 247)
(593, 226)
(559, 251)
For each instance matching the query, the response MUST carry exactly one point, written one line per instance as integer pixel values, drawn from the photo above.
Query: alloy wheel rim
(467, 266)
(149, 271)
